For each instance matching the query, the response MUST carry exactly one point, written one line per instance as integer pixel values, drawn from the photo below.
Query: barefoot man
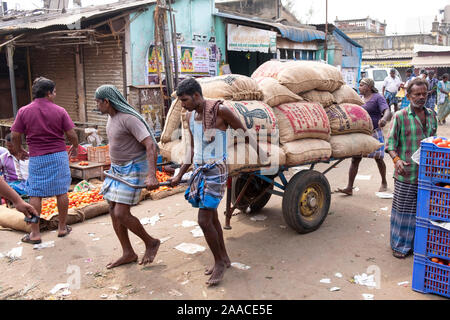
(208, 121)
(133, 151)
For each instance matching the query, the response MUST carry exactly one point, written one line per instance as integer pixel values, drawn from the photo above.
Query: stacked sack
(243, 96)
(329, 104)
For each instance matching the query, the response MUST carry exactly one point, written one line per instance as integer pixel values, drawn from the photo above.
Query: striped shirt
(12, 168)
(405, 136)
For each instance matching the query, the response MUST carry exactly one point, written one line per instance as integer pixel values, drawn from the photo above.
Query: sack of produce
(325, 98)
(353, 144)
(346, 94)
(13, 219)
(268, 69)
(274, 93)
(173, 121)
(256, 116)
(302, 120)
(173, 151)
(303, 76)
(306, 150)
(349, 118)
(234, 87)
(241, 157)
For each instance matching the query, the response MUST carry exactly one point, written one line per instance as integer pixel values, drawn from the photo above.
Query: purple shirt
(375, 107)
(43, 124)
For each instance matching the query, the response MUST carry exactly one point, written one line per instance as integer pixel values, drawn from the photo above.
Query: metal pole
(12, 78)
(326, 32)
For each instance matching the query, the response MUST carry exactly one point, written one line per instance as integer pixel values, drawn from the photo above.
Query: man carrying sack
(133, 151)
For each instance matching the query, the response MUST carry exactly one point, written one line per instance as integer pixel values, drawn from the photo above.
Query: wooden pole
(12, 77)
(326, 33)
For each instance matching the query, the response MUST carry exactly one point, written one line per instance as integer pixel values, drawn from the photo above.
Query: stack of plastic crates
(431, 273)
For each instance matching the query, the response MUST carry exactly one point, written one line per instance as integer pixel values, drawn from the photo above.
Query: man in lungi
(390, 88)
(409, 127)
(208, 121)
(45, 126)
(133, 151)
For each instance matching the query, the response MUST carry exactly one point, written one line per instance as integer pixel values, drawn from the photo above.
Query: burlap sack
(173, 121)
(325, 98)
(268, 69)
(274, 93)
(349, 118)
(303, 76)
(306, 150)
(346, 94)
(173, 151)
(234, 87)
(13, 219)
(244, 158)
(353, 144)
(302, 120)
(256, 116)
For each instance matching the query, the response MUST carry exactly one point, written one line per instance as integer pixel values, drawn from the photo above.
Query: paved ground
(354, 239)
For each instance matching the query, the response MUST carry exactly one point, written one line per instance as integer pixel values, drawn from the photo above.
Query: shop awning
(292, 33)
(431, 62)
(388, 63)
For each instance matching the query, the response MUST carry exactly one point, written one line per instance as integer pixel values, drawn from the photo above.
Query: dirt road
(281, 264)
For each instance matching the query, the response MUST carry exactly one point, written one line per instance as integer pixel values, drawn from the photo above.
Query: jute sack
(256, 116)
(303, 76)
(325, 98)
(274, 93)
(346, 94)
(13, 219)
(173, 121)
(306, 150)
(243, 158)
(234, 87)
(268, 69)
(353, 144)
(349, 118)
(302, 120)
(173, 151)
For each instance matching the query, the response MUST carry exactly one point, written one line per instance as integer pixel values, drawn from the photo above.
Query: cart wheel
(254, 190)
(306, 201)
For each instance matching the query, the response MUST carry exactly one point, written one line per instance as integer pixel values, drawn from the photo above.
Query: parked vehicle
(378, 75)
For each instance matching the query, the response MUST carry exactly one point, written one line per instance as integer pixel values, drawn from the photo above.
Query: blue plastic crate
(433, 202)
(434, 163)
(431, 240)
(430, 277)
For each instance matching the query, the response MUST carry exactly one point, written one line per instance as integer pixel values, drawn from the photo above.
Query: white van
(378, 75)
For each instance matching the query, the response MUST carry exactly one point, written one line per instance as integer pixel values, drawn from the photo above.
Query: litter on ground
(152, 220)
(197, 232)
(259, 217)
(47, 244)
(240, 266)
(187, 224)
(190, 248)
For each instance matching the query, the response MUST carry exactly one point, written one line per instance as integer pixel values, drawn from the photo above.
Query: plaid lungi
(403, 216)
(379, 154)
(207, 185)
(391, 97)
(49, 175)
(135, 172)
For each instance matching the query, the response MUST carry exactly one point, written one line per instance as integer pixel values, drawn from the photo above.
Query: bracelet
(396, 159)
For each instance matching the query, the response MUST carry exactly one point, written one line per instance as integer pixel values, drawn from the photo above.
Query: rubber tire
(290, 204)
(236, 186)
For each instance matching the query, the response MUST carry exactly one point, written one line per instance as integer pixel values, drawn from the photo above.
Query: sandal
(26, 239)
(68, 229)
(344, 192)
(399, 255)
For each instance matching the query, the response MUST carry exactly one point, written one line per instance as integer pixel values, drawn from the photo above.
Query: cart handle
(139, 186)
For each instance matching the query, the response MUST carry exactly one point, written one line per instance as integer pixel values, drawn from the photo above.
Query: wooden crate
(99, 154)
(93, 170)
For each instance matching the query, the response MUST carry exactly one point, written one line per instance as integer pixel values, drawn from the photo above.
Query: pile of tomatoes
(76, 200)
(441, 143)
(162, 177)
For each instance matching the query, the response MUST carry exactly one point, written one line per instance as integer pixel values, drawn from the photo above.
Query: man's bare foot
(217, 274)
(346, 191)
(125, 259)
(150, 252)
(383, 188)
(210, 270)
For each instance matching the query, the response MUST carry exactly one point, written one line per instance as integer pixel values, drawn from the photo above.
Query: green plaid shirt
(405, 136)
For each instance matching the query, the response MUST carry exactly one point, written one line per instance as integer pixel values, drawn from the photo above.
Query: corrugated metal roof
(430, 48)
(70, 18)
(292, 33)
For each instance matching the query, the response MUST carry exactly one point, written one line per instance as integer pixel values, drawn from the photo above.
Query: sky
(402, 16)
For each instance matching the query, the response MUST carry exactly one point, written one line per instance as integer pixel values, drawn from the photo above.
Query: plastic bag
(83, 186)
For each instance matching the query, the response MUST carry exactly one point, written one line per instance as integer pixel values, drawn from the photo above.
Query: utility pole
(12, 77)
(325, 47)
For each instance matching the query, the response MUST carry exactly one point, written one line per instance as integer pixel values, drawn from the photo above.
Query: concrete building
(361, 28)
